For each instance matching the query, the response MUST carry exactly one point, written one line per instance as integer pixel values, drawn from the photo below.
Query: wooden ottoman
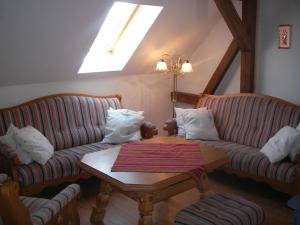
(221, 209)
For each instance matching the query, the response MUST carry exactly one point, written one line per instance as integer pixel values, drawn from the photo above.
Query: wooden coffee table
(145, 188)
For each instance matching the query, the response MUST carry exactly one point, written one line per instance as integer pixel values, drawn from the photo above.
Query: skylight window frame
(114, 45)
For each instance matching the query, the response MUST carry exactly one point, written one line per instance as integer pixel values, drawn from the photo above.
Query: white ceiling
(45, 41)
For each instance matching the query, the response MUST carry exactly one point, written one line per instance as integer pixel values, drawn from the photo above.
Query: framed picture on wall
(285, 32)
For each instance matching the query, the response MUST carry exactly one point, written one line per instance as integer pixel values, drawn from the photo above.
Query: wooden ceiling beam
(249, 9)
(234, 23)
(222, 68)
(243, 31)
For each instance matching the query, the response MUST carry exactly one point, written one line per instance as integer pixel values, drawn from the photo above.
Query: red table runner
(138, 157)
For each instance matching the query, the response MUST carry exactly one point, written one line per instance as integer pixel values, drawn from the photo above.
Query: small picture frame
(284, 33)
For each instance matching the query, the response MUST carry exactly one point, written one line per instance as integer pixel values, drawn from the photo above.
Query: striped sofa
(73, 123)
(245, 122)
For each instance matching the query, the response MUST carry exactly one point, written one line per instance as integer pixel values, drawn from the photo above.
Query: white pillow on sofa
(285, 142)
(199, 124)
(34, 143)
(123, 125)
(9, 140)
(298, 127)
(179, 118)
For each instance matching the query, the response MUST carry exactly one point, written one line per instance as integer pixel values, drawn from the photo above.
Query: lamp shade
(161, 66)
(186, 67)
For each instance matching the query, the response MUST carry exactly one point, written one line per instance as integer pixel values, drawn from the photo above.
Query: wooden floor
(123, 211)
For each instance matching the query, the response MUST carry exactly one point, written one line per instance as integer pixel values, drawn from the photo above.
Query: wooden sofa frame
(9, 164)
(291, 189)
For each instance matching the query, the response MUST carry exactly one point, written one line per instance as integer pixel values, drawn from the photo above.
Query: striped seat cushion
(249, 159)
(249, 119)
(221, 209)
(64, 163)
(43, 210)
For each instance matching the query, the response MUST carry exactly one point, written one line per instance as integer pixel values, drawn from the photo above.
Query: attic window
(122, 31)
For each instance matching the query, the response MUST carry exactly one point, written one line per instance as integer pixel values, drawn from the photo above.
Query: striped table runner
(138, 157)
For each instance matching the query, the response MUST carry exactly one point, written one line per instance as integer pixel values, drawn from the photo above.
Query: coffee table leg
(203, 186)
(145, 202)
(101, 203)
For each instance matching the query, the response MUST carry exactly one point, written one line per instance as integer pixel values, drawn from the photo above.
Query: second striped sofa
(73, 123)
(245, 122)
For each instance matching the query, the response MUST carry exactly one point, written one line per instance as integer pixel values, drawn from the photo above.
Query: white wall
(205, 60)
(44, 42)
(278, 70)
(208, 55)
(139, 92)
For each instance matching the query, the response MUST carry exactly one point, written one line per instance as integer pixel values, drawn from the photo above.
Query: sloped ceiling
(46, 41)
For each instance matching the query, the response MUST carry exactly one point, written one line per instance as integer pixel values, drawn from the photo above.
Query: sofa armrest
(148, 130)
(171, 127)
(66, 195)
(8, 161)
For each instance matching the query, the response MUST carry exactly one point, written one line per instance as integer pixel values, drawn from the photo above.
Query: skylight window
(122, 31)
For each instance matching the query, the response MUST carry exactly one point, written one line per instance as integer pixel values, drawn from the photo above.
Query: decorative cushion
(221, 209)
(122, 126)
(9, 139)
(34, 143)
(199, 124)
(179, 119)
(285, 142)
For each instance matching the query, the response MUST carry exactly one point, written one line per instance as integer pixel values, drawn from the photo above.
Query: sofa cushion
(123, 125)
(285, 142)
(9, 140)
(250, 119)
(251, 160)
(180, 121)
(64, 163)
(37, 146)
(200, 125)
(66, 121)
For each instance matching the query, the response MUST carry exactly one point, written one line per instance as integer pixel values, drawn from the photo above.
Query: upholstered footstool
(221, 209)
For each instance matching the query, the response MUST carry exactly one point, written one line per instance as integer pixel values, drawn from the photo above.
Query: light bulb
(186, 67)
(161, 66)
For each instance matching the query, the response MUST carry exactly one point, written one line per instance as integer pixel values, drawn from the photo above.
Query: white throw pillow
(122, 126)
(179, 119)
(286, 141)
(298, 127)
(199, 124)
(9, 140)
(35, 144)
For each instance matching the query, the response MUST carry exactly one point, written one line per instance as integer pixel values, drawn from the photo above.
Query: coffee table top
(99, 164)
